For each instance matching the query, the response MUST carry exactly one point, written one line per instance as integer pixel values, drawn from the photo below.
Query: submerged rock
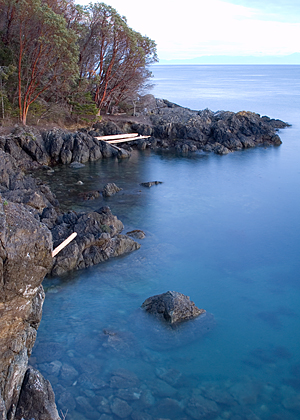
(153, 325)
(173, 307)
(136, 234)
(150, 184)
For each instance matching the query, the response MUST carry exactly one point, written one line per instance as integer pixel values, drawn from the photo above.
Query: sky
(192, 28)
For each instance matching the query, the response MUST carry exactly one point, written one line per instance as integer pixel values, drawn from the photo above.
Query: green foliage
(66, 56)
(83, 105)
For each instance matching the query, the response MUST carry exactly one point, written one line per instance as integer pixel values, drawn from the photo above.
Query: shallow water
(223, 230)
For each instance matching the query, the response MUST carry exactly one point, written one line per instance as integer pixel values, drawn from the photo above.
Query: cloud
(277, 10)
(216, 27)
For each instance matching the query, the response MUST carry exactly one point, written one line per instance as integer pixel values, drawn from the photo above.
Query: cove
(223, 230)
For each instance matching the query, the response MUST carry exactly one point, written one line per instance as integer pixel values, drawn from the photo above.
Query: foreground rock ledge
(174, 307)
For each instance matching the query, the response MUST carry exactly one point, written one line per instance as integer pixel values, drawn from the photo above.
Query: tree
(5, 73)
(44, 49)
(113, 57)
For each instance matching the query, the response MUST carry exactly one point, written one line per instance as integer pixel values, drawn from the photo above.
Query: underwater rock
(136, 234)
(123, 379)
(162, 336)
(171, 376)
(77, 165)
(120, 408)
(172, 306)
(200, 408)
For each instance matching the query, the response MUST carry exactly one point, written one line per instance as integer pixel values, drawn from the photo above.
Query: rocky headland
(32, 223)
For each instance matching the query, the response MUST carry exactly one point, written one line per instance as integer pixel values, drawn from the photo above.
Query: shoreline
(26, 149)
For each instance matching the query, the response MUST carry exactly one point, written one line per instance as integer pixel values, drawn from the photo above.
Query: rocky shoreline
(32, 224)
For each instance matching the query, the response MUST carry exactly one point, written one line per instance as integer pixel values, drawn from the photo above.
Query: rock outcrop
(30, 223)
(186, 130)
(37, 399)
(25, 258)
(98, 239)
(168, 125)
(110, 189)
(172, 307)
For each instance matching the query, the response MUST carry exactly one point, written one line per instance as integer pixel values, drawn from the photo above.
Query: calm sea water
(222, 229)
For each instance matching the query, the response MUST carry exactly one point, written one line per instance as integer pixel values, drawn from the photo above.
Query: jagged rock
(110, 189)
(172, 307)
(37, 398)
(188, 130)
(98, 239)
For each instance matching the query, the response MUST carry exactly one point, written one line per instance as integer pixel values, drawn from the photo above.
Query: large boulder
(172, 307)
(25, 259)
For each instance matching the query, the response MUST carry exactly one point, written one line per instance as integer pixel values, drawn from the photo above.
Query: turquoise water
(223, 230)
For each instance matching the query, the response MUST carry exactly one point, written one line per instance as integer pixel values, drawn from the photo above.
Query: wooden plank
(117, 136)
(126, 140)
(64, 244)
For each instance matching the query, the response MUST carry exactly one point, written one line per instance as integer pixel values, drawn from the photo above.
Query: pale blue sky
(193, 28)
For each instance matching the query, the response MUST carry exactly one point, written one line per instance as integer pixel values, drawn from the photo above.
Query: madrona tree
(113, 58)
(42, 47)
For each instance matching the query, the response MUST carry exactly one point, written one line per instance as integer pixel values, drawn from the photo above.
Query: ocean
(223, 230)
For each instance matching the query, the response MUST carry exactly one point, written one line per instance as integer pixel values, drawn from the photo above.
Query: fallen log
(117, 136)
(64, 244)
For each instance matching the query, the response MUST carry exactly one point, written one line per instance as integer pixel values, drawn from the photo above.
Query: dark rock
(91, 381)
(162, 336)
(84, 406)
(49, 351)
(68, 373)
(218, 394)
(119, 342)
(66, 401)
(171, 376)
(36, 398)
(106, 417)
(173, 307)
(120, 408)
(200, 408)
(123, 379)
(129, 394)
(137, 415)
(52, 369)
(219, 149)
(167, 408)
(25, 258)
(89, 195)
(245, 392)
(110, 189)
(103, 405)
(98, 239)
(162, 389)
(150, 184)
